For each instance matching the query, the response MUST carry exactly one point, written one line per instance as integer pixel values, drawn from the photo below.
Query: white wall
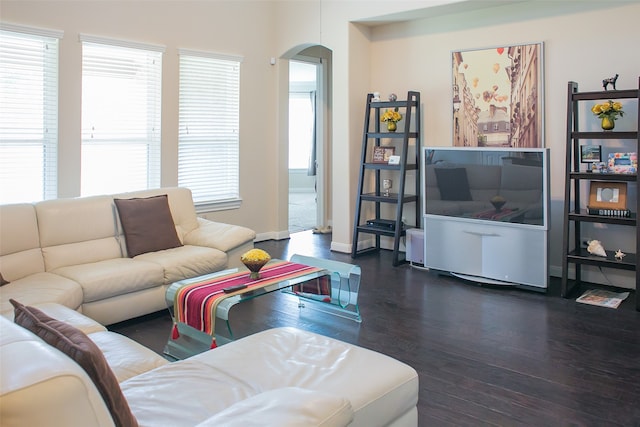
(584, 41)
(301, 182)
(580, 45)
(238, 28)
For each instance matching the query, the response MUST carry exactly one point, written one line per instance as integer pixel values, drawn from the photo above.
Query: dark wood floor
(485, 355)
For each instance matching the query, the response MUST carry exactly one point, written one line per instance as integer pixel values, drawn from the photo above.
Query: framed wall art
(497, 96)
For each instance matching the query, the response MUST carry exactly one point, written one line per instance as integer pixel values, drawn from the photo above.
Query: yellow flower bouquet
(608, 112)
(391, 116)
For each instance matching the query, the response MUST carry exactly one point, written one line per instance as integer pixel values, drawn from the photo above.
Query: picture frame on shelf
(381, 154)
(590, 154)
(626, 163)
(607, 195)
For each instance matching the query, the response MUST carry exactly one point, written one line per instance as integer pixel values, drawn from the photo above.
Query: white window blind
(121, 105)
(208, 151)
(28, 114)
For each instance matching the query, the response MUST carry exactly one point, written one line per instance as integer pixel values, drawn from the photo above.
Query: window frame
(141, 138)
(206, 127)
(46, 135)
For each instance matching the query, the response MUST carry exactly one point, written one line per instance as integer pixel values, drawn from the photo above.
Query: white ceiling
(439, 8)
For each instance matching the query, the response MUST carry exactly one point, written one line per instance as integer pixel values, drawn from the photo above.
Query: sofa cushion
(72, 317)
(316, 362)
(186, 261)
(125, 357)
(20, 253)
(113, 277)
(148, 225)
(75, 344)
(224, 237)
(21, 264)
(77, 231)
(288, 406)
(40, 288)
(453, 183)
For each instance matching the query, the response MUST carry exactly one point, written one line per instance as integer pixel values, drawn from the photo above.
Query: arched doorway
(309, 141)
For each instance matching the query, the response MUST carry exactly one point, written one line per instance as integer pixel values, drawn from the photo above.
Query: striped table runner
(195, 304)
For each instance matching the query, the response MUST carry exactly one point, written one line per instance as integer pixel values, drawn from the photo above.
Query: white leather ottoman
(382, 390)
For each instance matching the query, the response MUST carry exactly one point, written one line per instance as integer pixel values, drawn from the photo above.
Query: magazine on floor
(603, 298)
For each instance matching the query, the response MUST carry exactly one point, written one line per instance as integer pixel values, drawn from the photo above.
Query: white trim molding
(86, 38)
(44, 32)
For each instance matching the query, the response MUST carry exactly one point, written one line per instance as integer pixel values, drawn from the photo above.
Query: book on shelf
(603, 298)
(623, 213)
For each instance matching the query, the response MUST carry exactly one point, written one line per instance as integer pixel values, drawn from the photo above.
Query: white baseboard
(272, 235)
(340, 247)
(369, 242)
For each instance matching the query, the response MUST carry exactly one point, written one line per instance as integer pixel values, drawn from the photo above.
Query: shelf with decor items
(382, 185)
(607, 186)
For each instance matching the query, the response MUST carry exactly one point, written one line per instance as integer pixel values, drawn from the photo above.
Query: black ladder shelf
(372, 173)
(575, 210)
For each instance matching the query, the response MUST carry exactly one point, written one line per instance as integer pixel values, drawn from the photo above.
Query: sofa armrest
(224, 237)
(41, 386)
(288, 406)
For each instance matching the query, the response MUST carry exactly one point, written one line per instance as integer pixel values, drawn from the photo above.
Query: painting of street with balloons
(497, 96)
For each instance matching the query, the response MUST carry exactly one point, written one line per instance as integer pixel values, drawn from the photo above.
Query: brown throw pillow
(148, 225)
(79, 347)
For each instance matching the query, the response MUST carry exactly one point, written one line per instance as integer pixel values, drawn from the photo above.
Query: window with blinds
(121, 105)
(208, 146)
(28, 114)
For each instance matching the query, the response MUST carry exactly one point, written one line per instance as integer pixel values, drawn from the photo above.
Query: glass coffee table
(189, 341)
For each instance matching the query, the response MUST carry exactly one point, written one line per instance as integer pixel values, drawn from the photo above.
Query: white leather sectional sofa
(74, 252)
(69, 260)
(279, 377)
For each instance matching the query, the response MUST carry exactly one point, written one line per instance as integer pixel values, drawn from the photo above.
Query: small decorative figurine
(595, 248)
(610, 81)
(387, 184)
(376, 97)
(620, 255)
(393, 97)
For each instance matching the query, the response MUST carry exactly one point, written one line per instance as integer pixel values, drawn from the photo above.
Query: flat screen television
(506, 185)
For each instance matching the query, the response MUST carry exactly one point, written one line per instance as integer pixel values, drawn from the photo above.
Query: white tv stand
(487, 252)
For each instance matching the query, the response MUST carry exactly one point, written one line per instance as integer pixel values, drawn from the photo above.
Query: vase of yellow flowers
(392, 117)
(608, 112)
(254, 260)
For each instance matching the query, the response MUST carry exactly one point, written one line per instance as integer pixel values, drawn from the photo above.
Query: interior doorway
(305, 144)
